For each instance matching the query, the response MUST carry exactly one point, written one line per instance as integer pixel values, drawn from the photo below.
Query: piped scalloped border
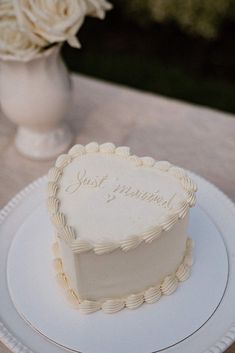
(78, 244)
(110, 306)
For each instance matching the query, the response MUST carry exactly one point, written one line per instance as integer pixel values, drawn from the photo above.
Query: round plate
(35, 310)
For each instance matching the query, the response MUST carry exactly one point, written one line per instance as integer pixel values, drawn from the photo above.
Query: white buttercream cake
(121, 227)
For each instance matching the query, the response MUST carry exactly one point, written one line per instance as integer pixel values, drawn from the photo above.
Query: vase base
(43, 145)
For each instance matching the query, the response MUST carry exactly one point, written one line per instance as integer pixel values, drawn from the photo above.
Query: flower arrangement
(28, 28)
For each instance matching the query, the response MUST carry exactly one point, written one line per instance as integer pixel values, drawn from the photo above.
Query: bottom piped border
(151, 295)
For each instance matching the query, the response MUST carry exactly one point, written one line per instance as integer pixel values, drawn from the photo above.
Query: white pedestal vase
(36, 96)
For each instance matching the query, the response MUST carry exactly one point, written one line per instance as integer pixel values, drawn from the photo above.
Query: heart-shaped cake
(121, 224)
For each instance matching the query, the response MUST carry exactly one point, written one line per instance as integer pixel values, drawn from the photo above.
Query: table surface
(193, 137)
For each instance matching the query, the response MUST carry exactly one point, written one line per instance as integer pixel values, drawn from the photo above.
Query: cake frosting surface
(128, 199)
(104, 195)
(121, 226)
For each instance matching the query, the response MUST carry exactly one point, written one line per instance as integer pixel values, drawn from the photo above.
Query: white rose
(14, 43)
(97, 8)
(51, 21)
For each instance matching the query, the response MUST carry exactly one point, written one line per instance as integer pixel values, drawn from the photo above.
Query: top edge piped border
(79, 245)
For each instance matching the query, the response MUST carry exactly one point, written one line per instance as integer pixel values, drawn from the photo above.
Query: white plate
(34, 312)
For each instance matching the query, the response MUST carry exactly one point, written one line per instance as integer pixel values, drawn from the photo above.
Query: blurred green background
(183, 49)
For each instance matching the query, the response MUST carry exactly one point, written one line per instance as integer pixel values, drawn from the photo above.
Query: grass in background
(158, 59)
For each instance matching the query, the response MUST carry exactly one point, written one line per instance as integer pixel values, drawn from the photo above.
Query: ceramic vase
(36, 96)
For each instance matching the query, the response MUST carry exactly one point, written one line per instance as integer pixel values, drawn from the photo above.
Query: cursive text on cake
(82, 179)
